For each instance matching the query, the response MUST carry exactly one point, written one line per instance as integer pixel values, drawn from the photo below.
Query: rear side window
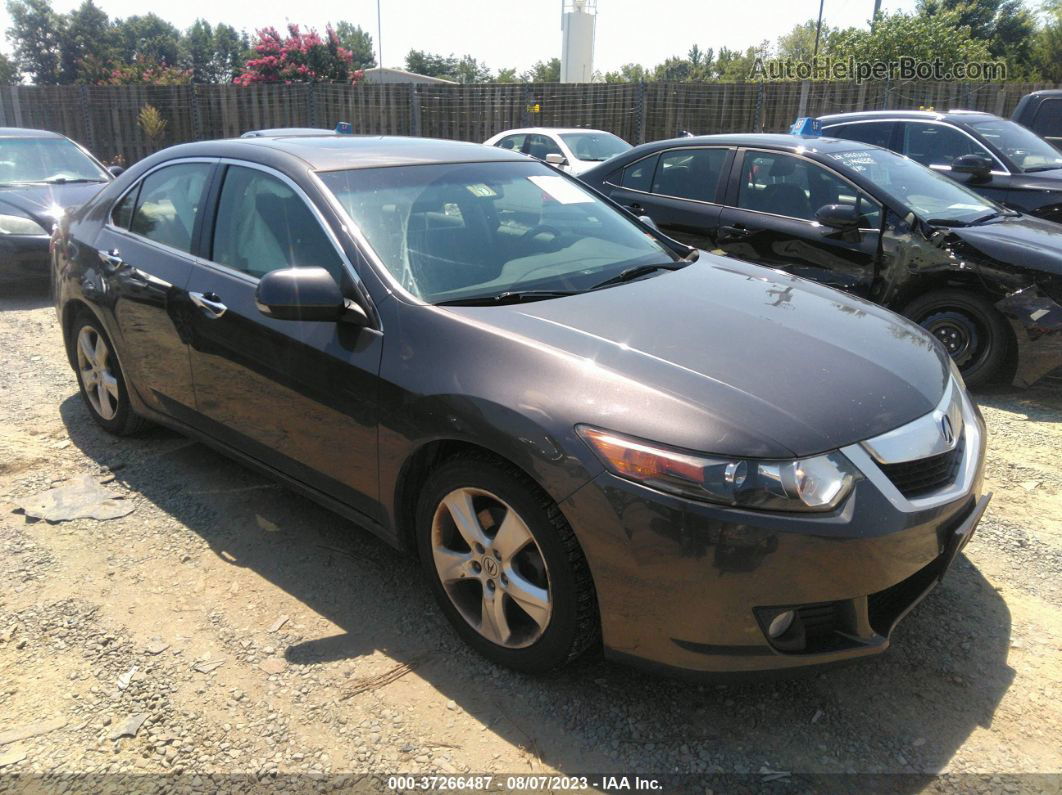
(169, 203)
(1048, 121)
(263, 225)
(541, 145)
(639, 176)
(878, 133)
(689, 173)
(514, 143)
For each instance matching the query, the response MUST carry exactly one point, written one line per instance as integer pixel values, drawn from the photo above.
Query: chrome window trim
(838, 174)
(973, 432)
(1004, 173)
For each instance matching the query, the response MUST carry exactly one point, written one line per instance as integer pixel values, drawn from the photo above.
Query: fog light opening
(780, 624)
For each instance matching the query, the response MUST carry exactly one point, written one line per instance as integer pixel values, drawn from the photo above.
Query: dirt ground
(334, 659)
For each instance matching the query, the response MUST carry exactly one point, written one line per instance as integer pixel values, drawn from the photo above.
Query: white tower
(578, 18)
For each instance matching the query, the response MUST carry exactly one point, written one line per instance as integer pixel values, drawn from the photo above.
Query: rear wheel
(100, 378)
(504, 565)
(972, 331)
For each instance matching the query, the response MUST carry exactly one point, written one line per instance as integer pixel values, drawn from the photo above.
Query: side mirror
(556, 160)
(306, 294)
(116, 170)
(645, 219)
(977, 166)
(838, 216)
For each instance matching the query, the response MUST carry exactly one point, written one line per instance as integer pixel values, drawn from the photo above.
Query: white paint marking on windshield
(562, 190)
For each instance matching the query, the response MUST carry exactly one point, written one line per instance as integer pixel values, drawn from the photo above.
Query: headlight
(819, 483)
(20, 225)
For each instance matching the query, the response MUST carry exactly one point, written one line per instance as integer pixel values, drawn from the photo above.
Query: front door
(770, 219)
(298, 396)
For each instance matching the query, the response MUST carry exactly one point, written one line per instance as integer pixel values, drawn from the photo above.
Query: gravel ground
(229, 626)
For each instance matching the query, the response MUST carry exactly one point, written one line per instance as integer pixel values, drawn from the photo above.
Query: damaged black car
(983, 279)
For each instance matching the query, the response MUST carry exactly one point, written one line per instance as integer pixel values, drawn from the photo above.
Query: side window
(878, 133)
(514, 143)
(689, 173)
(169, 203)
(781, 184)
(639, 175)
(937, 144)
(122, 213)
(263, 225)
(541, 145)
(1048, 121)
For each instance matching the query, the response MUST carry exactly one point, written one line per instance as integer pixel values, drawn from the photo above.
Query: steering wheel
(541, 229)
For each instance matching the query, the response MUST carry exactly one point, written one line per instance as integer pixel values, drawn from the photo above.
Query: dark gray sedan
(589, 433)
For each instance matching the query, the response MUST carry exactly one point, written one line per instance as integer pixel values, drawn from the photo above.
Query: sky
(517, 33)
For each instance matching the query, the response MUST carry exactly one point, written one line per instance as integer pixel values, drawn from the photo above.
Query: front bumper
(691, 586)
(24, 259)
(1036, 321)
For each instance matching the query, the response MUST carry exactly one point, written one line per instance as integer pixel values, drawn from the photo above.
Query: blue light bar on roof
(344, 128)
(806, 126)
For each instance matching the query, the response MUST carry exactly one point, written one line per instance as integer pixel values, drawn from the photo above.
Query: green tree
(8, 71)
(1047, 46)
(733, 66)
(148, 37)
(628, 73)
(87, 37)
(231, 51)
(432, 64)
(1007, 26)
(799, 43)
(544, 72)
(198, 52)
(360, 44)
(469, 70)
(509, 75)
(36, 32)
(924, 37)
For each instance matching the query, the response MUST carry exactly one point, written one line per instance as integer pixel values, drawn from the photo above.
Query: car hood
(731, 358)
(1024, 243)
(41, 202)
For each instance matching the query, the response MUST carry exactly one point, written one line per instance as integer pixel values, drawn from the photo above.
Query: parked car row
(581, 403)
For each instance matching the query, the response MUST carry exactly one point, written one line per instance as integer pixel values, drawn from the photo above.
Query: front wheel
(505, 566)
(973, 332)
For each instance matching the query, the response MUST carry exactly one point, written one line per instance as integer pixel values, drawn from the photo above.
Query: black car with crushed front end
(998, 158)
(42, 174)
(985, 280)
(587, 432)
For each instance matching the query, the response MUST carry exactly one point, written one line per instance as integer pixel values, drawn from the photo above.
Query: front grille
(915, 478)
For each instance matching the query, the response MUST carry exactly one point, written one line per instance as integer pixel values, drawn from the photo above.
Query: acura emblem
(946, 430)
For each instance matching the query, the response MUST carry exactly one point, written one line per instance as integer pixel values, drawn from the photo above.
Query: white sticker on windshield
(562, 190)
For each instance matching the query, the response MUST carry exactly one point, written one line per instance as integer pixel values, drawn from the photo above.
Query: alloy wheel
(491, 567)
(97, 378)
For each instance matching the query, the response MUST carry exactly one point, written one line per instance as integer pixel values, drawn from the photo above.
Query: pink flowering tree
(298, 58)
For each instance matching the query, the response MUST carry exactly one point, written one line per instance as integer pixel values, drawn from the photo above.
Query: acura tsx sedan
(590, 434)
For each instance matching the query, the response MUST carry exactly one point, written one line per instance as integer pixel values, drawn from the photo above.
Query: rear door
(679, 189)
(770, 219)
(145, 250)
(298, 396)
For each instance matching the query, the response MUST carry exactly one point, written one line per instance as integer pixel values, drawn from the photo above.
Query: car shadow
(907, 711)
(1041, 402)
(19, 296)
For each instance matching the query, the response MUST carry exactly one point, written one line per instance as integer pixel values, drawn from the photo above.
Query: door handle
(209, 303)
(733, 232)
(636, 208)
(112, 259)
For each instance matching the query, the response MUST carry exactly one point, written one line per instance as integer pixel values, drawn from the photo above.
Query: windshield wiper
(508, 297)
(634, 272)
(946, 222)
(1034, 169)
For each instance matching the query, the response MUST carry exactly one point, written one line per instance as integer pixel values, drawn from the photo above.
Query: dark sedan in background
(42, 174)
(984, 280)
(1041, 112)
(585, 430)
(995, 157)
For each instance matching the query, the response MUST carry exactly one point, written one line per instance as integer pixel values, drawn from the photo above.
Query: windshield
(1026, 149)
(930, 195)
(51, 160)
(461, 230)
(595, 145)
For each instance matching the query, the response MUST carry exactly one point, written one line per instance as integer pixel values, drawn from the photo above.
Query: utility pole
(877, 10)
(379, 31)
(818, 30)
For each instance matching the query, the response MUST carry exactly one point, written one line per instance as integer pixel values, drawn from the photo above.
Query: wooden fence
(104, 118)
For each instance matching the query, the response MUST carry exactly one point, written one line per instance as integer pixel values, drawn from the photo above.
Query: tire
(109, 407)
(971, 330)
(489, 493)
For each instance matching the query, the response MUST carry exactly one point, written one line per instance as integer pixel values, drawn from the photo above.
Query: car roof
(283, 131)
(551, 130)
(791, 143)
(1045, 92)
(330, 152)
(25, 132)
(957, 115)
